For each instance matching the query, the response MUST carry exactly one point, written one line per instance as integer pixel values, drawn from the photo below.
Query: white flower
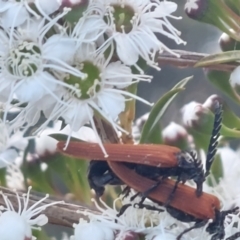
(17, 225)
(133, 25)
(92, 230)
(46, 7)
(89, 29)
(191, 5)
(154, 225)
(9, 144)
(14, 13)
(14, 176)
(47, 144)
(101, 91)
(26, 56)
(132, 222)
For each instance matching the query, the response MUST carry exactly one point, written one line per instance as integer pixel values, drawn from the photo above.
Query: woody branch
(62, 214)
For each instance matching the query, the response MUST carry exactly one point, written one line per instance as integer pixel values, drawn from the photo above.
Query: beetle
(149, 160)
(199, 209)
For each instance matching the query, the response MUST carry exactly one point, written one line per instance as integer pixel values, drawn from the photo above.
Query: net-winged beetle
(149, 160)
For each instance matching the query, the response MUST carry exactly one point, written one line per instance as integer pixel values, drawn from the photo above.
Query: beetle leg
(126, 206)
(123, 209)
(125, 192)
(196, 225)
(170, 197)
(234, 236)
(148, 206)
(217, 226)
(152, 188)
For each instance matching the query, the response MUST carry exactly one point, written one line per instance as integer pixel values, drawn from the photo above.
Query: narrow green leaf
(230, 119)
(71, 172)
(3, 176)
(230, 133)
(151, 132)
(217, 58)
(39, 180)
(221, 81)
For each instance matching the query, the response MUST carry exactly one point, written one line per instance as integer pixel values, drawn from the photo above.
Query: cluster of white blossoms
(70, 61)
(18, 224)
(152, 224)
(73, 60)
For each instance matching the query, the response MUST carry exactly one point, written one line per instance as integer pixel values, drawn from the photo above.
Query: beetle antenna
(212, 147)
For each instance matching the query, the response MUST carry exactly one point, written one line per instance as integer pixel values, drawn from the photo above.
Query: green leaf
(221, 81)
(201, 139)
(151, 132)
(3, 176)
(38, 179)
(71, 172)
(40, 235)
(230, 133)
(217, 58)
(76, 13)
(230, 119)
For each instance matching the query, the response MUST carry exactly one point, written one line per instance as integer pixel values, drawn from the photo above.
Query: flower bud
(227, 43)
(216, 13)
(198, 117)
(235, 80)
(176, 135)
(211, 101)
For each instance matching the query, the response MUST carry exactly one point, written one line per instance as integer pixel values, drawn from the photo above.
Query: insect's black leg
(170, 197)
(125, 192)
(123, 209)
(135, 195)
(126, 206)
(151, 189)
(196, 225)
(234, 236)
(147, 206)
(217, 226)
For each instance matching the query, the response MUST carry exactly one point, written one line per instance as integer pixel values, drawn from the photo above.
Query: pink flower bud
(128, 235)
